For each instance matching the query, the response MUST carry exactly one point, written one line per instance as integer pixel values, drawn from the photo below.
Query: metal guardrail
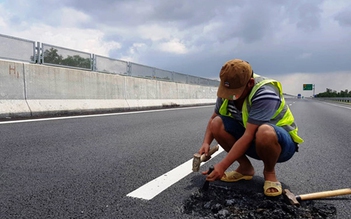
(59, 56)
(18, 49)
(339, 99)
(108, 65)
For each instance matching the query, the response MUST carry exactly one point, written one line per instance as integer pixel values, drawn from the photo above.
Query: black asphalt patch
(225, 202)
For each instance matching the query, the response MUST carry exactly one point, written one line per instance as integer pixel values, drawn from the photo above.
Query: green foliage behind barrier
(51, 56)
(333, 93)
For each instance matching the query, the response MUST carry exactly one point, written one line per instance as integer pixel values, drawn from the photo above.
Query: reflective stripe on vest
(282, 117)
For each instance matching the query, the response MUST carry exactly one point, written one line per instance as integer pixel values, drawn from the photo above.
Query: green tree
(332, 93)
(51, 56)
(76, 61)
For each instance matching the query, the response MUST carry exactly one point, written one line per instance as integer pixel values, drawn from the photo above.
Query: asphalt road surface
(106, 166)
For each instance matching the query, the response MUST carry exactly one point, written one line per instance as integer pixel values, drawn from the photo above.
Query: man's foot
(272, 188)
(234, 176)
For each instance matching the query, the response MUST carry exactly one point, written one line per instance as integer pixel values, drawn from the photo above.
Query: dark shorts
(288, 146)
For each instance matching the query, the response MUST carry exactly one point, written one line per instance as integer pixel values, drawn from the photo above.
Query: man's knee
(267, 145)
(216, 125)
(266, 135)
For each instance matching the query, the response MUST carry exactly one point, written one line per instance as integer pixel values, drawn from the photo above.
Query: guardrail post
(38, 54)
(129, 69)
(93, 62)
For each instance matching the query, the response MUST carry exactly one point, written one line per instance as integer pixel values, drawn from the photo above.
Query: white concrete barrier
(35, 90)
(12, 90)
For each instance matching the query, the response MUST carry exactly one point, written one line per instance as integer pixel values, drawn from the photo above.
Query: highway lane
(84, 167)
(323, 162)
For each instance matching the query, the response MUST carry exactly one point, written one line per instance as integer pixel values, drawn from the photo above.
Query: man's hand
(216, 174)
(205, 148)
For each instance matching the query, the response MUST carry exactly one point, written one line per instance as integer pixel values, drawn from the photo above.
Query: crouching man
(251, 119)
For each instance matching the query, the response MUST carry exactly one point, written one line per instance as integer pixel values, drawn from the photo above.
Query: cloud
(69, 17)
(344, 17)
(293, 83)
(85, 40)
(173, 46)
(278, 38)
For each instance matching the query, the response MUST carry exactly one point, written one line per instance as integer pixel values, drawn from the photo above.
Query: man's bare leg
(226, 140)
(268, 149)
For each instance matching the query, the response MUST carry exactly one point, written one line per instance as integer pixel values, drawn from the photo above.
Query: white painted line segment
(161, 183)
(341, 106)
(100, 115)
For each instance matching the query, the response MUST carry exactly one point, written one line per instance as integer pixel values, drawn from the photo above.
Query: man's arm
(238, 149)
(208, 137)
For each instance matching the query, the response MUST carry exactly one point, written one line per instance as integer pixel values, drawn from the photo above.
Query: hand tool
(207, 183)
(198, 158)
(294, 199)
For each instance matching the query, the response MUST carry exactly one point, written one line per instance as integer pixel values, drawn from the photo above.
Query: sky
(294, 41)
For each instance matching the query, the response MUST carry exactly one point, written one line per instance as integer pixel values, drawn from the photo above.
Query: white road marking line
(161, 183)
(99, 115)
(338, 105)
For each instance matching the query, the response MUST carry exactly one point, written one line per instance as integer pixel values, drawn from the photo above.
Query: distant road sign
(307, 86)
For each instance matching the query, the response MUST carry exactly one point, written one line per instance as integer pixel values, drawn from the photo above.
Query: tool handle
(325, 194)
(207, 183)
(211, 151)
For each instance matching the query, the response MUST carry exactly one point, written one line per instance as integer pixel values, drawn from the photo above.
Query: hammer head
(196, 162)
(290, 197)
(198, 158)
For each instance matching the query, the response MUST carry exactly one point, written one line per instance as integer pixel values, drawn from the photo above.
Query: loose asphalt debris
(223, 202)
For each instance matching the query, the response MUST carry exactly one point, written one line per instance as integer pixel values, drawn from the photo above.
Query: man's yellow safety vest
(282, 117)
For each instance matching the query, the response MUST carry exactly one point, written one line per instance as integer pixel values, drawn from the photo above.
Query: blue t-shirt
(265, 102)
